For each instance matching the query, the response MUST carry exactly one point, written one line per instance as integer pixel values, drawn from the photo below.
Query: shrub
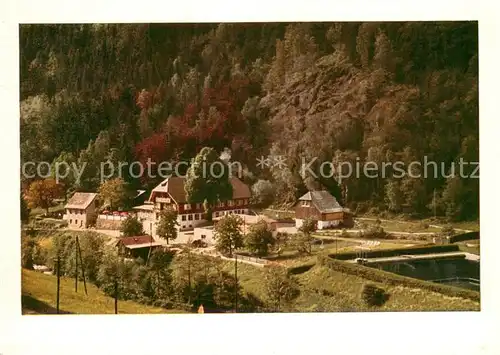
(374, 296)
(300, 269)
(28, 247)
(423, 225)
(263, 193)
(375, 232)
(91, 248)
(447, 231)
(131, 227)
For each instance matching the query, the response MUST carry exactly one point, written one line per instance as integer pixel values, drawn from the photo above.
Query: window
(305, 203)
(183, 217)
(190, 217)
(198, 206)
(70, 221)
(230, 203)
(197, 216)
(216, 214)
(187, 206)
(203, 236)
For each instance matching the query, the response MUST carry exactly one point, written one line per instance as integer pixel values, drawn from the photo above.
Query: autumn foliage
(42, 193)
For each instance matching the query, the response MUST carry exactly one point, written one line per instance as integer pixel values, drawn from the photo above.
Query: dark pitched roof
(240, 189)
(137, 240)
(174, 186)
(142, 239)
(81, 200)
(323, 201)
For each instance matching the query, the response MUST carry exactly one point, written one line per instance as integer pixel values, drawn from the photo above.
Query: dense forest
(341, 92)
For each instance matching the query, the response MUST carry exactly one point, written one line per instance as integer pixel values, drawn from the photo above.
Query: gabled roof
(81, 200)
(137, 242)
(323, 201)
(174, 186)
(145, 207)
(240, 189)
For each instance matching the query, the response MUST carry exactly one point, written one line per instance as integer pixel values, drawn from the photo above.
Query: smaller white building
(81, 210)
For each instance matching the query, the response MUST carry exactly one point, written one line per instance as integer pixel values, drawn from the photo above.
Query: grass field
(325, 290)
(402, 224)
(470, 246)
(39, 297)
(39, 211)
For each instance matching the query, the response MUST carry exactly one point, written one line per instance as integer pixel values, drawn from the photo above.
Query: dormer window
(305, 204)
(187, 206)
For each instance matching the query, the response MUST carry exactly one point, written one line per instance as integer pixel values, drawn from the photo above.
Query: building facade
(80, 211)
(170, 194)
(324, 208)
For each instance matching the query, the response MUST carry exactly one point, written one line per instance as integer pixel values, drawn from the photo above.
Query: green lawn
(470, 246)
(39, 297)
(325, 290)
(401, 224)
(404, 226)
(39, 211)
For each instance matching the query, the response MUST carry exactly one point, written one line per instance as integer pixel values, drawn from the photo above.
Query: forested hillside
(336, 91)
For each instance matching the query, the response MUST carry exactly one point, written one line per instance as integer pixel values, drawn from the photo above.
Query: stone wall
(108, 224)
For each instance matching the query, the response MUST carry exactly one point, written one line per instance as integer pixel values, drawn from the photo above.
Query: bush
(300, 269)
(423, 225)
(92, 252)
(447, 231)
(28, 247)
(263, 193)
(374, 296)
(131, 227)
(375, 231)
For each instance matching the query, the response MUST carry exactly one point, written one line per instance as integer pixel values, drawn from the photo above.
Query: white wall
(298, 222)
(326, 224)
(207, 232)
(76, 219)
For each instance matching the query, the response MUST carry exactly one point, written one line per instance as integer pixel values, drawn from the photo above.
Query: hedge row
(300, 269)
(465, 236)
(399, 251)
(395, 279)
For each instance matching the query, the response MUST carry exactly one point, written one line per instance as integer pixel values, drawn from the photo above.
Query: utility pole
(235, 283)
(76, 265)
(116, 295)
(58, 265)
(81, 263)
(189, 274)
(434, 203)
